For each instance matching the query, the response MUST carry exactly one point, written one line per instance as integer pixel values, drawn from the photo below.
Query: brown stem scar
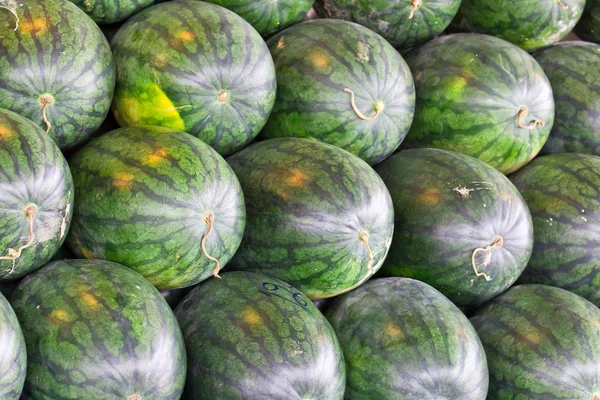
(496, 244)
(14, 254)
(134, 397)
(523, 111)
(378, 107)
(45, 100)
(209, 218)
(222, 96)
(415, 4)
(363, 237)
(564, 7)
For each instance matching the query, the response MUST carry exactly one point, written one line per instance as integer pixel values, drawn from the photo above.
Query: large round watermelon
(319, 218)
(56, 68)
(404, 24)
(97, 330)
(159, 201)
(573, 69)
(530, 24)
(249, 336)
(402, 339)
(481, 96)
(110, 11)
(270, 16)
(542, 343)
(194, 67)
(588, 27)
(13, 356)
(343, 84)
(36, 196)
(460, 225)
(563, 195)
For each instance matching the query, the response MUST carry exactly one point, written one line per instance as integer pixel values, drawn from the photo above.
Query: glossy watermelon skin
(249, 336)
(97, 330)
(316, 62)
(268, 17)
(470, 88)
(541, 342)
(142, 196)
(308, 204)
(562, 192)
(174, 71)
(529, 24)
(56, 53)
(446, 206)
(111, 11)
(588, 27)
(13, 356)
(573, 69)
(402, 339)
(33, 173)
(399, 22)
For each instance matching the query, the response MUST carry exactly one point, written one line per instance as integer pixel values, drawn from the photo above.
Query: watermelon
(402, 339)
(542, 343)
(13, 356)
(588, 27)
(404, 24)
(573, 69)
(529, 24)
(341, 83)
(194, 67)
(159, 201)
(319, 217)
(268, 17)
(249, 336)
(481, 96)
(563, 195)
(36, 196)
(97, 330)
(460, 225)
(111, 11)
(56, 68)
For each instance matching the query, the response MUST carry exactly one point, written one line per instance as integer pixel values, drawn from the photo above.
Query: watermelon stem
(563, 5)
(523, 111)
(14, 254)
(364, 238)
(45, 100)
(209, 217)
(496, 244)
(223, 96)
(415, 4)
(134, 397)
(379, 107)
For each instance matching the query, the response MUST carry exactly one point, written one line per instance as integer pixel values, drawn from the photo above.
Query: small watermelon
(481, 96)
(36, 196)
(460, 225)
(404, 24)
(13, 356)
(56, 68)
(249, 336)
(343, 84)
(159, 201)
(542, 343)
(194, 67)
(97, 330)
(588, 27)
(573, 69)
(110, 11)
(563, 195)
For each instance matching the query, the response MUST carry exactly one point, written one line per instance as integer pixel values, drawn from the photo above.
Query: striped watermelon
(341, 83)
(460, 225)
(249, 336)
(13, 356)
(36, 196)
(194, 67)
(542, 343)
(481, 96)
(159, 201)
(56, 68)
(588, 27)
(110, 11)
(319, 218)
(563, 195)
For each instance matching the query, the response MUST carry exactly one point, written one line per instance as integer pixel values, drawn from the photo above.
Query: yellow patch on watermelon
(5, 133)
(430, 196)
(90, 300)
(393, 331)
(251, 316)
(60, 316)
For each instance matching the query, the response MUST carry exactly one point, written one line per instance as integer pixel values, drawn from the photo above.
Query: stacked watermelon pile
(299, 199)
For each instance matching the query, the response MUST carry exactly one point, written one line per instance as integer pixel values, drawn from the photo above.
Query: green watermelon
(56, 68)
(588, 27)
(529, 24)
(542, 343)
(404, 24)
(197, 68)
(268, 17)
(319, 217)
(249, 336)
(343, 84)
(36, 196)
(563, 195)
(481, 96)
(402, 339)
(110, 11)
(97, 330)
(13, 356)
(573, 69)
(460, 225)
(159, 201)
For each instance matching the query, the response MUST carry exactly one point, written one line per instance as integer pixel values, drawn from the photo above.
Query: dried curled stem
(497, 243)
(378, 107)
(45, 100)
(415, 4)
(563, 5)
(523, 111)
(209, 218)
(14, 254)
(364, 238)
